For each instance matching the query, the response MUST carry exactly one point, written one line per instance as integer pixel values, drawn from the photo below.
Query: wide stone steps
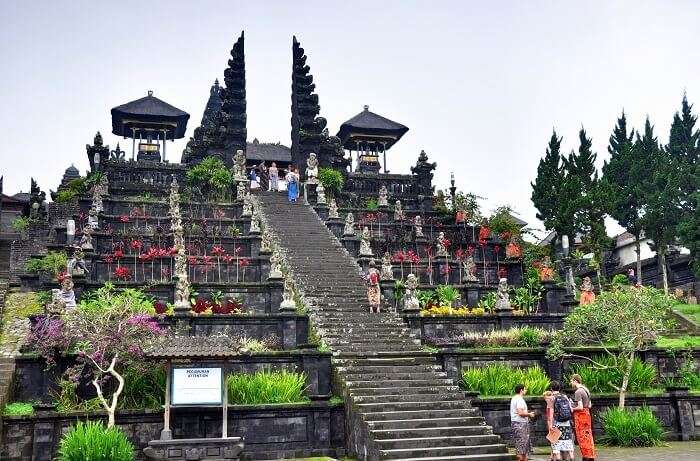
(408, 407)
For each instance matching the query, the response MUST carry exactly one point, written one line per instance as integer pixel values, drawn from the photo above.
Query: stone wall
(31, 242)
(678, 412)
(270, 431)
(444, 327)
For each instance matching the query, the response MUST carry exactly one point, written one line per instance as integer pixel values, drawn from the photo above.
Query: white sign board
(196, 386)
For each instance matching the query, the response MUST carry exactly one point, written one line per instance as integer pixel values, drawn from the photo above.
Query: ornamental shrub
(210, 177)
(54, 262)
(500, 379)
(331, 179)
(18, 409)
(20, 224)
(605, 377)
(266, 386)
(91, 441)
(627, 428)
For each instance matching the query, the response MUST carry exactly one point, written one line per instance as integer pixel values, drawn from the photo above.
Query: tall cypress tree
(547, 190)
(661, 211)
(623, 178)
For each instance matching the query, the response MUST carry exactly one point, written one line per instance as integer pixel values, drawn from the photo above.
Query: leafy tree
(624, 175)
(210, 177)
(661, 195)
(549, 191)
(331, 179)
(622, 322)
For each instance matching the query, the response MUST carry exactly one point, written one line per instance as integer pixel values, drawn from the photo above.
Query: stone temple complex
(377, 386)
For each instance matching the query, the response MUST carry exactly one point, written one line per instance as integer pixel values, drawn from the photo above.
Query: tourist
(292, 179)
(631, 278)
(520, 423)
(273, 173)
(559, 424)
(254, 179)
(263, 176)
(582, 418)
(373, 293)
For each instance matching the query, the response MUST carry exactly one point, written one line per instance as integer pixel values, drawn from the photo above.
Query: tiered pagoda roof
(149, 111)
(368, 126)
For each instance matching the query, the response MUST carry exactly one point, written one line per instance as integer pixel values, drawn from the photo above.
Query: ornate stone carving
(503, 298)
(410, 300)
(312, 169)
(320, 194)
(254, 222)
(247, 208)
(275, 266)
(365, 247)
(93, 222)
(67, 293)
(398, 212)
(266, 242)
(333, 210)
(239, 166)
(418, 226)
(469, 269)
(288, 303)
(440, 244)
(349, 225)
(76, 265)
(387, 269)
(57, 306)
(383, 196)
(86, 239)
(182, 284)
(241, 190)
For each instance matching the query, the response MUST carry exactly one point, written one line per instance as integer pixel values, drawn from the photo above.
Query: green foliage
(18, 307)
(605, 377)
(144, 387)
(488, 302)
(74, 189)
(512, 337)
(331, 179)
(18, 409)
(92, 441)
(526, 299)
(502, 222)
(678, 342)
(265, 386)
(20, 224)
(106, 299)
(426, 298)
(54, 262)
(371, 204)
(624, 428)
(210, 177)
(550, 194)
(67, 400)
(620, 279)
(447, 295)
(500, 379)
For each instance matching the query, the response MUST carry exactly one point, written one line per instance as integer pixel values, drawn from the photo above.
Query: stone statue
(241, 191)
(410, 300)
(387, 269)
(365, 247)
(57, 306)
(545, 270)
(398, 212)
(93, 222)
(502, 297)
(247, 208)
(440, 244)
(254, 223)
(418, 225)
(320, 194)
(67, 293)
(76, 265)
(86, 239)
(349, 225)
(97, 199)
(469, 269)
(312, 169)
(288, 303)
(275, 266)
(239, 166)
(383, 196)
(333, 210)
(587, 293)
(265, 242)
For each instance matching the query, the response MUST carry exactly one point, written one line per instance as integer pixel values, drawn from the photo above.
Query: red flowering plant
(413, 258)
(460, 255)
(161, 307)
(122, 273)
(228, 306)
(207, 263)
(400, 257)
(445, 270)
(219, 252)
(192, 266)
(502, 272)
(201, 306)
(243, 263)
(228, 259)
(62, 276)
(108, 259)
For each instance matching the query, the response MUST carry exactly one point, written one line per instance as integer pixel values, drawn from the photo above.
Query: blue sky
(479, 84)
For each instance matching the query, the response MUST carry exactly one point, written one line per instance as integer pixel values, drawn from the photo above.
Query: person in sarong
(582, 419)
(292, 179)
(373, 293)
(274, 177)
(520, 423)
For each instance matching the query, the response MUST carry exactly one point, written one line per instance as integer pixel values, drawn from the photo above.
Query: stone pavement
(675, 451)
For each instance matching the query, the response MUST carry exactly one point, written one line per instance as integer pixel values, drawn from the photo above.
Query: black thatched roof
(193, 347)
(370, 126)
(269, 152)
(147, 111)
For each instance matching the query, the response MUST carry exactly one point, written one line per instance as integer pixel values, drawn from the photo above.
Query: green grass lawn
(691, 311)
(679, 342)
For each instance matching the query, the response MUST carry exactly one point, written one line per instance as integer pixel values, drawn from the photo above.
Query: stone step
(421, 414)
(439, 441)
(382, 368)
(403, 453)
(403, 390)
(420, 405)
(399, 375)
(432, 432)
(416, 359)
(427, 422)
(387, 382)
(497, 456)
(391, 398)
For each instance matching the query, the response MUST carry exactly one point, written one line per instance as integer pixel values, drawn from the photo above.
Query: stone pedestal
(336, 226)
(321, 211)
(553, 298)
(387, 289)
(275, 288)
(352, 244)
(210, 449)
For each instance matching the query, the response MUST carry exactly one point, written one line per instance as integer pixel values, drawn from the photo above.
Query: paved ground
(675, 451)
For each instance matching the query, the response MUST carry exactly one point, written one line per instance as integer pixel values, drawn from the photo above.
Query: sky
(480, 84)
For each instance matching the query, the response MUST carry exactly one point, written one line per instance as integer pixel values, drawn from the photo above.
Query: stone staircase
(400, 403)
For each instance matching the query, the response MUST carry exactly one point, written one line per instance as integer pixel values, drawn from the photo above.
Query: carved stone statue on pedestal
(57, 306)
(320, 194)
(275, 266)
(399, 215)
(239, 166)
(333, 210)
(265, 242)
(410, 300)
(93, 222)
(387, 269)
(440, 244)
(67, 294)
(383, 199)
(288, 296)
(76, 265)
(418, 225)
(312, 169)
(469, 269)
(86, 239)
(365, 247)
(241, 191)
(502, 297)
(349, 225)
(254, 223)
(247, 208)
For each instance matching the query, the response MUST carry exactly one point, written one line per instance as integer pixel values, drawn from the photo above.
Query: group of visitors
(565, 417)
(267, 178)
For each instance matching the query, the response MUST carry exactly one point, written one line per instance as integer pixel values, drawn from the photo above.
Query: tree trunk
(625, 381)
(638, 250)
(664, 272)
